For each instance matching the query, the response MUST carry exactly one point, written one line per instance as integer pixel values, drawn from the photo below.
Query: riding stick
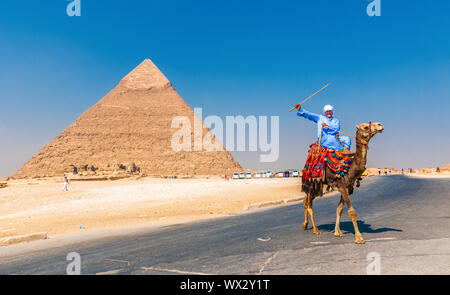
(320, 138)
(341, 132)
(312, 95)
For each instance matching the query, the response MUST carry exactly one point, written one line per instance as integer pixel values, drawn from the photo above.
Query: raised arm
(308, 115)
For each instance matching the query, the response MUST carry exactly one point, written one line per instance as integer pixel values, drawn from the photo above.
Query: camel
(344, 185)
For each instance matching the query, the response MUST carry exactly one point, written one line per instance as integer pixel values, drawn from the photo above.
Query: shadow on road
(347, 227)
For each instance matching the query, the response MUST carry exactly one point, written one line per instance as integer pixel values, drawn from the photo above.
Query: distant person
(385, 171)
(438, 170)
(402, 171)
(66, 182)
(379, 171)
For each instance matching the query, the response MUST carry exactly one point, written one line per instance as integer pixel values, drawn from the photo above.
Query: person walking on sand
(66, 182)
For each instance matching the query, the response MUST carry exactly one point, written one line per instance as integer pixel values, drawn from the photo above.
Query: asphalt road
(406, 221)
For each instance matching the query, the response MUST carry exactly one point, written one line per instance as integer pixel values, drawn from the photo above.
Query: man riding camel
(325, 124)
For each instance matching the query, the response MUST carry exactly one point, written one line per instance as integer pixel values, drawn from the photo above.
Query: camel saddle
(319, 156)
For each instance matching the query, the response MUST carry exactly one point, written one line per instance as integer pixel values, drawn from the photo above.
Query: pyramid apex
(145, 76)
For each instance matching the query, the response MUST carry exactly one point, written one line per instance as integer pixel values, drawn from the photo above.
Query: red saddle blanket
(318, 157)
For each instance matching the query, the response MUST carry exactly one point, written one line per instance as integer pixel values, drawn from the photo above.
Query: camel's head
(366, 131)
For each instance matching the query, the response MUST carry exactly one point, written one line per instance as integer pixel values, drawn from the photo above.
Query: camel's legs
(352, 214)
(305, 208)
(311, 214)
(337, 230)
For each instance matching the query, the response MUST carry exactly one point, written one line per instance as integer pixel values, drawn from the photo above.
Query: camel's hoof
(338, 234)
(360, 240)
(316, 232)
(305, 225)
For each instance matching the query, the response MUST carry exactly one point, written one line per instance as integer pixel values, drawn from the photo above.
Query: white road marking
(117, 260)
(109, 272)
(320, 243)
(264, 240)
(175, 270)
(380, 239)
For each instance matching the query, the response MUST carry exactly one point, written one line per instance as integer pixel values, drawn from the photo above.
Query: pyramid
(129, 130)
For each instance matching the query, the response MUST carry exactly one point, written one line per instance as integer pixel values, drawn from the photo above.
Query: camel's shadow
(347, 227)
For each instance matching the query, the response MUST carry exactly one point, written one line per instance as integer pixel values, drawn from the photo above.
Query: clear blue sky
(235, 57)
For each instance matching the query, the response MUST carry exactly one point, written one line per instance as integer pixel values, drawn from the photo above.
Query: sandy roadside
(28, 206)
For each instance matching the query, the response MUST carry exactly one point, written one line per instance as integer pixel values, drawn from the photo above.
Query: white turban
(327, 108)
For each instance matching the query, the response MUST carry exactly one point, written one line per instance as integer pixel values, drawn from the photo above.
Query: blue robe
(346, 141)
(329, 139)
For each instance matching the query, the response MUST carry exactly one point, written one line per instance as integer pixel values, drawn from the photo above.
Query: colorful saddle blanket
(318, 157)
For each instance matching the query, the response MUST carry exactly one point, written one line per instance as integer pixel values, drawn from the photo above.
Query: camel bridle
(365, 142)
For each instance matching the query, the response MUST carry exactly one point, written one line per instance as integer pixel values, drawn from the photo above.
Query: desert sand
(39, 205)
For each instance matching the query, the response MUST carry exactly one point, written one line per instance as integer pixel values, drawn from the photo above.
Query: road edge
(7, 241)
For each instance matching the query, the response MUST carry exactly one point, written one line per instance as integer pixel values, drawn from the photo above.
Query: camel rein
(357, 141)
